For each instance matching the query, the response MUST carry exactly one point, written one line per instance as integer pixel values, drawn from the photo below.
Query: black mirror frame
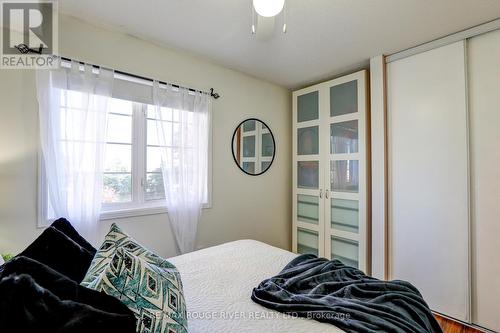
(274, 147)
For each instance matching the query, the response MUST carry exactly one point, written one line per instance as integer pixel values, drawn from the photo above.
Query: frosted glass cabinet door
(308, 140)
(344, 98)
(307, 241)
(345, 250)
(308, 107)
(308, 206)
(329, 170)
(344, 176)
(345, 215)
(308, 209)
(308, 174)
(344, 137)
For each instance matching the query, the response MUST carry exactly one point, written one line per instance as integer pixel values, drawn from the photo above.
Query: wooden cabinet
(330, 175)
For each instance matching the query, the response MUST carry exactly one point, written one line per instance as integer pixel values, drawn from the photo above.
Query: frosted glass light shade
(268, 8)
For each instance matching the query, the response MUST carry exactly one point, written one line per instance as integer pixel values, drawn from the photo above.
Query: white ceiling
(325, 37)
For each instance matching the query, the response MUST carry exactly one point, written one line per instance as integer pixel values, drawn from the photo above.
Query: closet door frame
(361, 156)
(319, 193)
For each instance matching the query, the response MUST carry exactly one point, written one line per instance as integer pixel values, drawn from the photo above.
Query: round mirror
(253, 146)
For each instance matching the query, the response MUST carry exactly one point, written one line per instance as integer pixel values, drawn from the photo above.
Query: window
(132, 178)
(117, 178)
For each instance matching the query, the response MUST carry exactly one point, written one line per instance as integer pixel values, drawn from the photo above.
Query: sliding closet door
(484, 94)
(428, 177)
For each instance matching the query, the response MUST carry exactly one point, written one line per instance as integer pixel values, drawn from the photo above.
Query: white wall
(242, 206)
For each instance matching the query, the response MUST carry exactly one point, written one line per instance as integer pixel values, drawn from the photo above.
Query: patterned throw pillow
(154, 294)
(114, 240)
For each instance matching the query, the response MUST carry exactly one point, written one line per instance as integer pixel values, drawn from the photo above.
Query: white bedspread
(218, 282)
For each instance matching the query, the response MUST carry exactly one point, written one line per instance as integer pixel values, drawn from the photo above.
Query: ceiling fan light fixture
(268, 8)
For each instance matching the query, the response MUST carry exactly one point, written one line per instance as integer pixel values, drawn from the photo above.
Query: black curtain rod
(211, 92)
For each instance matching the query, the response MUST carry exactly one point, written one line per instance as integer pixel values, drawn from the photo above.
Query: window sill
(121, 213)
(136, 212)
(132, 212)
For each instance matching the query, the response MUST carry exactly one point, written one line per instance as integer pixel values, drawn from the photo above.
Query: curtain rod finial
(214, 94)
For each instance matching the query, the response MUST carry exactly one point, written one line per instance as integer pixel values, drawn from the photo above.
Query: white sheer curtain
(183, 120)
(73, 113)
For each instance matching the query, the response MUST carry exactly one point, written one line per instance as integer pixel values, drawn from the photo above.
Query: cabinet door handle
(326, 194)
(320, 193)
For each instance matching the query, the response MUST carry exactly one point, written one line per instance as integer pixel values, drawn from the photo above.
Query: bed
(218, 282)
(242, 286)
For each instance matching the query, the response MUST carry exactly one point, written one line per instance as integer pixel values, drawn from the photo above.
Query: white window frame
(138, 206)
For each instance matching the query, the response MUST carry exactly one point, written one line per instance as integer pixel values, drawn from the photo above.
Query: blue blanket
(329, 291)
